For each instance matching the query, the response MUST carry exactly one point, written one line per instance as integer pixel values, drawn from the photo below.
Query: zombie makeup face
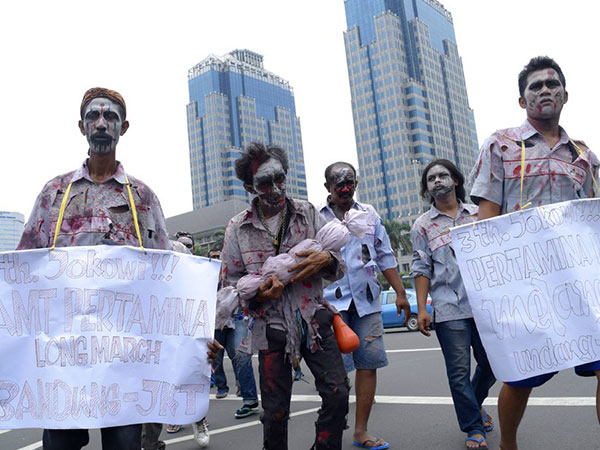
(102, 125)
(269, 184)
(439, 181)
(544, 95)
(186, 241)
(341, 184)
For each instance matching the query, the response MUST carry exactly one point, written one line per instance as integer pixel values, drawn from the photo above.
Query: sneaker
(173, 428)
(201, 433)
(222, 393)
(246, 410)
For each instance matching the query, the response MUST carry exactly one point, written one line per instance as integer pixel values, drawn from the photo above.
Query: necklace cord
(279, 233)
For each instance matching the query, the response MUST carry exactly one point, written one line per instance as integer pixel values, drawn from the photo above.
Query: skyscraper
(234, 101)
(11, 228)
(409, 99)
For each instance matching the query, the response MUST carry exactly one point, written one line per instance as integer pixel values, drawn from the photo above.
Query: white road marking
(492, 401)
(32, 446)
(409, 350)
(381, 399)
(236, 427)
(421, 400)
(414, 400)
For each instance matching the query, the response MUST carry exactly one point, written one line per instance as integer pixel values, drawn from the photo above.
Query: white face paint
(102, 123)
(544, 95)
(439, 181)
(186, 241)
(269, 184)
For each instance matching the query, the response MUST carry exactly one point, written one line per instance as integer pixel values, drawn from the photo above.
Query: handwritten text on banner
(102, 336)
(533, 281)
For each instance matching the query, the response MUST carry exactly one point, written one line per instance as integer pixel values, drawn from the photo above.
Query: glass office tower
(11, 228)
(234, 101)
(409, 99)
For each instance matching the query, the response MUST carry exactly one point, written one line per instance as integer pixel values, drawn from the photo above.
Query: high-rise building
(409, 99)
(11, 228)
(234, 101)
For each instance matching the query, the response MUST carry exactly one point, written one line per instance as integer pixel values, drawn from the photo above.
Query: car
(390, 315)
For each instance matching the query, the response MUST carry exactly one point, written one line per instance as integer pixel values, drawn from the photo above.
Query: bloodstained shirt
(364, 258)
(246, 247)
(552, 175)
(434, 258)
(96, 213)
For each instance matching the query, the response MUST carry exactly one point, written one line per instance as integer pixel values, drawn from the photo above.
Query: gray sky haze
(53, 51)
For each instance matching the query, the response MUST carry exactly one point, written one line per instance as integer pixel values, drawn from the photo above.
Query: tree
(216, 244)
(399, 234)
(200, 250)
(219, 237)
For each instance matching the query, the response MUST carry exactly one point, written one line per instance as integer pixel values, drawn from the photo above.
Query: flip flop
(490, 427)
(374, 441)
(479, 441)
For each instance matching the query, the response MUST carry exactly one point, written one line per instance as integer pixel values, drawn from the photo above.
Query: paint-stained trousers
(326, 365)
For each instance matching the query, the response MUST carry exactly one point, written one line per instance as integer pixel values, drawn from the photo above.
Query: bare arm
(401, 302)
(488, 209)
(422, 288)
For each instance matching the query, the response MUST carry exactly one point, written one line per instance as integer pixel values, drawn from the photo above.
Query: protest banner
(533, 281)
(101, 336)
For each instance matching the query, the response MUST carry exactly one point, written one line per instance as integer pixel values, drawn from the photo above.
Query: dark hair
(339, 163)
(456, 176)
(539, 63)
(256, 154)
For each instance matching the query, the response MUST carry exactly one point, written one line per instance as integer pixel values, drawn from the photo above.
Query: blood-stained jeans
(126, 437)
(326, 365)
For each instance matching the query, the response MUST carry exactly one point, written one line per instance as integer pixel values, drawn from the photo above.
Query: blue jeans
(230, 338)
(456, 338)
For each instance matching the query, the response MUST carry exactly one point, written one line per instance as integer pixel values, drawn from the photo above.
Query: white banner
(102, 336)
(533, 281)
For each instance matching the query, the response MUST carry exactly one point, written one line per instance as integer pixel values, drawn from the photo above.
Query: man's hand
(270, 289)
(402, 305)
(424, 322)
(213, 349)
(313, 264)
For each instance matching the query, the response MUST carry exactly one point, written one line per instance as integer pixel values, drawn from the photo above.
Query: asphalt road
(413, 410)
